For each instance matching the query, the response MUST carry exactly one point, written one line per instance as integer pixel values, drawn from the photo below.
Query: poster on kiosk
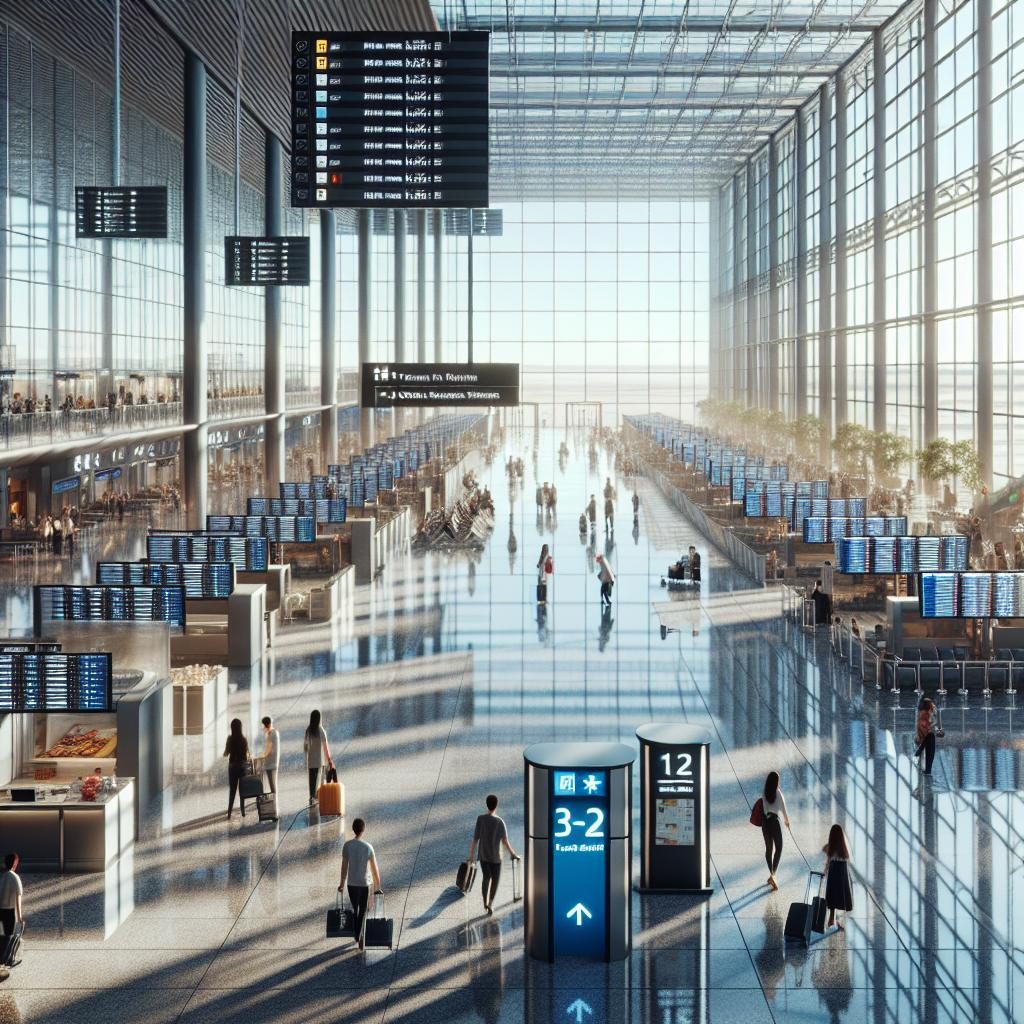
(675, 853)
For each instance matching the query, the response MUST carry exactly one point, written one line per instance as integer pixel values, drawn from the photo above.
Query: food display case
(200, 695)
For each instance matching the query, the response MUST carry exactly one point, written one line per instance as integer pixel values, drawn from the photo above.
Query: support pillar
(401, 356)
(929, 275)
(798, 376)
(739, 288)
(421, 286)
(438, 277)
(752, 395)
(194, 376)
(773, 275)
(983, 424)
(364, 269)
(328, 343)
(273, 365)
(715, 289)
(880, 368)
(825, 269)
(841, 363)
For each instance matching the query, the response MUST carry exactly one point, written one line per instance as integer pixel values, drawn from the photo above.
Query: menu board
(38, 681)
(390, 119)
(121, 211)
(266, 260)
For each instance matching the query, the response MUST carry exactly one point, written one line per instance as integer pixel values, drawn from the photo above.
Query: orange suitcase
(331, 798)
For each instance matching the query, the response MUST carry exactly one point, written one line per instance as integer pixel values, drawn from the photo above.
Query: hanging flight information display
(972, 595)
(879, 555)
(390, 119)
(47, 681)
(266, 260)
(121, 211)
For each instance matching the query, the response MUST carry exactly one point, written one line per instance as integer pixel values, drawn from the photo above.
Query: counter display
(55, 829)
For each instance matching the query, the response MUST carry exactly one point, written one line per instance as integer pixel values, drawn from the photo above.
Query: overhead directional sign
(397, 385)
(579, 838)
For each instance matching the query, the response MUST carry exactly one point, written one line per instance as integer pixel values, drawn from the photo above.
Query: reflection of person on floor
(770, 964)
(486, 971)
(471, 578)
(604, 632)
(636, 533)
(542, 622)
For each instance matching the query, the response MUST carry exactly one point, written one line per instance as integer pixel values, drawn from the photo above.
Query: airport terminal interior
(603, 407)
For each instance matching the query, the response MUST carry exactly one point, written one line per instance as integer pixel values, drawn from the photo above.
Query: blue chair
(947, 654)
(911, 653)
(975, 678)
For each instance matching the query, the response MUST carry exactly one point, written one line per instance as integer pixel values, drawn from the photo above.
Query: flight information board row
(390, 119)
(972, 595)
(108, 604)
(890, 555)
(201, 580)
(46, 681)
(267, 259)
(249, 553)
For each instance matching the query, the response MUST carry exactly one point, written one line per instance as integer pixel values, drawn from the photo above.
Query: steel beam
(880, 368)
(984, 434)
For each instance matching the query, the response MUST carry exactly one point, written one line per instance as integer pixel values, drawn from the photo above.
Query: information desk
(60, 832)
(578, 850)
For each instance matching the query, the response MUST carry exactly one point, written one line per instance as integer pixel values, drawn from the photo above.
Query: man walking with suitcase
(12, 916)
(270, 759)
(491, 834)
(359, 867)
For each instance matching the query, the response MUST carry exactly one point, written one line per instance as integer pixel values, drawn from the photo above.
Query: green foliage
(852, 445)
(941, 459)
(889, 452)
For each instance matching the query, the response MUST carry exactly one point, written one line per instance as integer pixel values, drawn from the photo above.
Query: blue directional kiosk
(579, 850)
(675, 791)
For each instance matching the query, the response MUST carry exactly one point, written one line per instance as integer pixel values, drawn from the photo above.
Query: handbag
(331, 775)
(757, 813)
(549, 565)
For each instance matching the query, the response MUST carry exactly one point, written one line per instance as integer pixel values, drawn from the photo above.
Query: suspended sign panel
(482, 222)
(266, 260)
(390, 119)
(43, 681)
(394, 385)
(121, 211)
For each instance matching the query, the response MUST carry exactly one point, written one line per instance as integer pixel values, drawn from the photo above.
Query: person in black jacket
(236, 750)
(822, 605)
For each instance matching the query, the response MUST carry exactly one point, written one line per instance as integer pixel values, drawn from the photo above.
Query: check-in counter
(61, 832)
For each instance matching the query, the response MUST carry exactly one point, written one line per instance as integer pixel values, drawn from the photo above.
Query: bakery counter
(59, 831)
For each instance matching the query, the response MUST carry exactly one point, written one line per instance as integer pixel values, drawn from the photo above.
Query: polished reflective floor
(449, 672)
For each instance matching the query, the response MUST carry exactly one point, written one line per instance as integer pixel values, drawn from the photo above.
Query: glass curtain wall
(852, 307)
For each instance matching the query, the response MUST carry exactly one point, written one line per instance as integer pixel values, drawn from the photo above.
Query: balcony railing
(234, 407)
(302, 399)
(25, 429)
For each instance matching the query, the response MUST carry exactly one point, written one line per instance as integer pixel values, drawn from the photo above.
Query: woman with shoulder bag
(773, 809)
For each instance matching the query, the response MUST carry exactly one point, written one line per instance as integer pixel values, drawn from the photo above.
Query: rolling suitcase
(818, 907)
(465, 877)
(341, 920)
(250, 787)
(800, 917)
(378, 931)
(331, 799)
(266, 806)
(9, 946)
(517, 887)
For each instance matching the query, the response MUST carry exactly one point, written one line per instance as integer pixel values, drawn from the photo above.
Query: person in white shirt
(11, 892)
(359, 869)
(773, 804)
(270, 759)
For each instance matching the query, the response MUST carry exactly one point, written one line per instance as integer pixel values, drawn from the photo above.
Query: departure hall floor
(428, 707)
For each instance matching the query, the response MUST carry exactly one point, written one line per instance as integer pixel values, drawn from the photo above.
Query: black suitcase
(341, 921)
(250, 787)
(10, 945)
(542, 593)
(517, 888)
(818, 907)
(266, 806)
(800, 918)
(378, 931)
(465, 877)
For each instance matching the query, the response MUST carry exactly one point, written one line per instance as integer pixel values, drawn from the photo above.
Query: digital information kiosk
(579, 852)
(675, 788)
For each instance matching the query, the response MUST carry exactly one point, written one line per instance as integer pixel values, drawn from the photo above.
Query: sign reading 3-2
(592, 822)
(579, 844)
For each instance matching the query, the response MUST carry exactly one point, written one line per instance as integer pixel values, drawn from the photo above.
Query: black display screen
(252, 553)
(390, 119)
(121, 211)
(266, 260)
(109, 604)
(45, 681)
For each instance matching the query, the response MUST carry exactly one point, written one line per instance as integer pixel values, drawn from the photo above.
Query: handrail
(23, 429)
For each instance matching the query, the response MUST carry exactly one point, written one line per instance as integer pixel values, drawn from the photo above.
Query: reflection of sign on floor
(674, 823)
(577, 1009)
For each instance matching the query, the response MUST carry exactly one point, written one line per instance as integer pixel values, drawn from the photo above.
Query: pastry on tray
(81, 741)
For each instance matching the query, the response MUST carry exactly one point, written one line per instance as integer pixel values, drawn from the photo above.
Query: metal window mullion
(880, 362)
